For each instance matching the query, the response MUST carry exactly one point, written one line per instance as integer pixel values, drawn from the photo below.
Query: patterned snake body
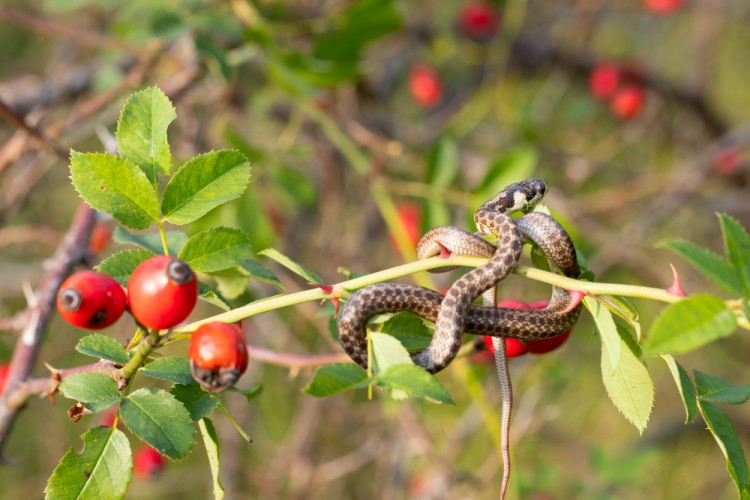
(455, 313)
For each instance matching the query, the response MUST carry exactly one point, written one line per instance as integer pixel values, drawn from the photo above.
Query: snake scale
(456, 313)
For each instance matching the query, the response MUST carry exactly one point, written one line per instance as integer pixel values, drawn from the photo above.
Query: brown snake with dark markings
(455, 313)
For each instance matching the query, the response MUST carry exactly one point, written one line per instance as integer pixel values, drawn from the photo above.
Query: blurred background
(368, 122)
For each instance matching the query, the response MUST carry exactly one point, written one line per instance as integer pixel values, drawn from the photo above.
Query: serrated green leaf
(729, 443)
(261, 273)
(332, 379)
(211, 442)
(718, 390)
(203, 183)
(216, 249)
(296, 268)
(213, 297)
(684, 386)
(689, 324)
(103, 347)
(629, 386)
(409, 329)
(115, 186)
(737, 246)
(97, 392)
(414, 380)
(142, 132)
(386, 352)
(122, 264)
(250, 393)
(156, 417)
(152, 241)
(199, 403)
(172, 368)
(607, 329)
(707, 263)
(102, 470)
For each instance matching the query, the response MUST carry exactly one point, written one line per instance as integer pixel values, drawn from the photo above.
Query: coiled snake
(455, 313)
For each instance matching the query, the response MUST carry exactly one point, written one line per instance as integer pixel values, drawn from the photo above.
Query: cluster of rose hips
(161, 293)
(514, 347)
(620, 87)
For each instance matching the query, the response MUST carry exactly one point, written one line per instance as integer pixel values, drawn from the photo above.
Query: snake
(455, 314)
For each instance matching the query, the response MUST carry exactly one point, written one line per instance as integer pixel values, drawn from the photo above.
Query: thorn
(445, 253)
(29, 294)
(676, 288)
(335, 291)
(576, 297)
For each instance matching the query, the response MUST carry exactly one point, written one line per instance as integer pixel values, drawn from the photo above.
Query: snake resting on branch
(456, 313)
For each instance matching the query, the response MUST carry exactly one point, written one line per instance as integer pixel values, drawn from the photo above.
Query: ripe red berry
(218, 355)
(101, 234)
(478, 21)
(410, 216)
(662, 6)
(4, 368)
(546, 345)
(604, 80)
(628, 101)
(162, 292)
(147, 462)
(91, 300)
(425, 86)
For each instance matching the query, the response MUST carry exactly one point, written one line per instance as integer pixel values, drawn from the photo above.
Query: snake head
(517, 197)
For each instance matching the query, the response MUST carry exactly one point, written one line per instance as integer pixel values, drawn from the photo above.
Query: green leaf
(414, 380)
(199, 403)
(332, 379)
(729, 443)
(172, 368)
(296, 268)
(386, 352)
(211, 442)
(718, 390)
(409, 329)
(115, 186)
(261, 273)
(203, 183)
(737, 245)
(442, 162)
(689, 324)
(97, 392)
(629, 386)
(122, 264)
(103, 347)
(156, 417)
(152, 241)
(142, 132)
(102, 470)
(249, 393)
(605, 325)
(707, 263)
(216, 249)
(213, 297)
(232, 282)
(684, 385)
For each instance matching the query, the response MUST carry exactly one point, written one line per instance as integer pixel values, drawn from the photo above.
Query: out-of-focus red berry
(628, 101)
(147, 462)
(662, 6)
(425, 86)
(411, 217)
(107, 417)
(727, 161)
(604, 80)
(101, 234)
(478, 21)
(4, 368)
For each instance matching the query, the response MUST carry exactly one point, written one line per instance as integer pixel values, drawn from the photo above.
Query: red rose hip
(218, 355)
(478, 21)
(91, 300)
(425, 86)
(628, 101)
(162, 292)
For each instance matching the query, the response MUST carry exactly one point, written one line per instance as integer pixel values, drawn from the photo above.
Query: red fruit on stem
(662, 6)
(91, 300)
(478, 21)
(410, 216)
(628, 101)
(162, 292)
(604, 80)
(4, 368)
(147, 462)
(218, 355)
(101, 234)
(425, 86)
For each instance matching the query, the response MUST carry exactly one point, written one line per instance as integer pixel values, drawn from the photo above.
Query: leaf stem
(124, 374)
(234, 423)
(163, 235)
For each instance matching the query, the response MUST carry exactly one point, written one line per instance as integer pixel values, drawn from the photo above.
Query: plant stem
(124, 374)
(163, 235)
(234, 423)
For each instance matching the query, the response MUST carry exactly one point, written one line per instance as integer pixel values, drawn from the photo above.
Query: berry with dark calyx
(628, 101)
(604, 80)
(478, 21)
(542, 346)
(162, 292)
(147, 462)
(425, 86)
(218, 355)
(92, 300)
